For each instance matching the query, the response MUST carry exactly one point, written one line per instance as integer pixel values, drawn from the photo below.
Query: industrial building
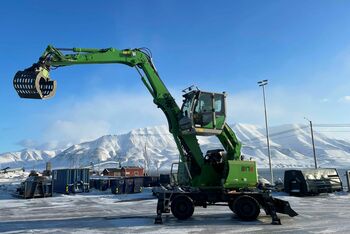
(125, 171)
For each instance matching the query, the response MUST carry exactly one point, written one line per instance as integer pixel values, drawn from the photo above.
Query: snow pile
(155, 149)
(10, 181)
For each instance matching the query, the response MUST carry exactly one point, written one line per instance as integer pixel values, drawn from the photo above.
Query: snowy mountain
(155, 149)
(28, 158)
(291, 146)
(151, 147)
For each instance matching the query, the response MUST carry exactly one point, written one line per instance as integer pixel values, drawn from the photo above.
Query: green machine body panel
(242, 174)
(209, 178)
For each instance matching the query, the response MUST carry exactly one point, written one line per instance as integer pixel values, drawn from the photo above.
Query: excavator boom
(206, 115)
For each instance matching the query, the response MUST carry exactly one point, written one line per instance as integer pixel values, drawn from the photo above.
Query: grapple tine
(34, 83)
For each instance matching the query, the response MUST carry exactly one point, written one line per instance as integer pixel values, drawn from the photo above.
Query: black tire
(246, 207)
(182, 207)
(230, 205)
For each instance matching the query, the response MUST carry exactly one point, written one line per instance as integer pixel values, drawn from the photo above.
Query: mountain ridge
(155, 149)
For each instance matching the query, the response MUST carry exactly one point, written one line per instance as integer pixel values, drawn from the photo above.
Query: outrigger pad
(34, 83)
(283, 207)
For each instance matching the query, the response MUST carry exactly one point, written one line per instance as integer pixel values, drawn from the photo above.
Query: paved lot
(108, 213)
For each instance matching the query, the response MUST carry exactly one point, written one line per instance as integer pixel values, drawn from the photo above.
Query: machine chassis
(253, 200)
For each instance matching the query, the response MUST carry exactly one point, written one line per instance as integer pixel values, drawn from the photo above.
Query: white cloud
(27, 143)
(75, 130)
(344, 99)
(282, 107)
(76, 120)
(82, 120)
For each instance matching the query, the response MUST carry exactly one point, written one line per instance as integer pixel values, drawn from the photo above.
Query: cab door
(203, 113)
(219, 111)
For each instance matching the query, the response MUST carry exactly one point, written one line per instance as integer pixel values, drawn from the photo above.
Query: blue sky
(302, 47)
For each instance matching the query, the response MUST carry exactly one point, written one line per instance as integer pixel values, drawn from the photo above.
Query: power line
(146, 134)
(332, 125)
(275, 134)
(281, 137)
(300, 129)
(333, 131)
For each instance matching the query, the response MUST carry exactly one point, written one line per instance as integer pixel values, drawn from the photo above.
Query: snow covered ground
(102, 212)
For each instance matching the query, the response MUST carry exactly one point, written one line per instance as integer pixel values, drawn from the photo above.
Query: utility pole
(92, 166)
(119, 158)
(146, 159)
(262, 84)
(313, 142)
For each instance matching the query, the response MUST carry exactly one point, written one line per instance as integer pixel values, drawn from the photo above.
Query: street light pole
(313, 142)
(262, 84)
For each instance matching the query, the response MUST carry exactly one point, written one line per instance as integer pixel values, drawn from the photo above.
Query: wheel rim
(183, 207)
(248, 208)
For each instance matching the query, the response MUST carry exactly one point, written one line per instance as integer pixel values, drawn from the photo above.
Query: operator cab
(203, 113)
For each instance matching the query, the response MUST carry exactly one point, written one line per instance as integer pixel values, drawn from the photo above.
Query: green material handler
(215, 178)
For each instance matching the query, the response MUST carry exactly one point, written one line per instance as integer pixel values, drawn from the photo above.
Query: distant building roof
(132, 167)
(112, 169)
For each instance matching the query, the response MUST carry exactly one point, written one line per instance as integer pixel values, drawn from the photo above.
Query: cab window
(186, 108)
(204, 103)
(219, 104)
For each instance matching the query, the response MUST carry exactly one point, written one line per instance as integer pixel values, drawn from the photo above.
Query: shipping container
(312, 181)
(96, 183)
(91, 183)
(70, 180)
(113, 181)
(129, 185)
(164, 179)
(118, 186)
(103, 184)
(147, 181)
(150, 181)
(138, 185)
